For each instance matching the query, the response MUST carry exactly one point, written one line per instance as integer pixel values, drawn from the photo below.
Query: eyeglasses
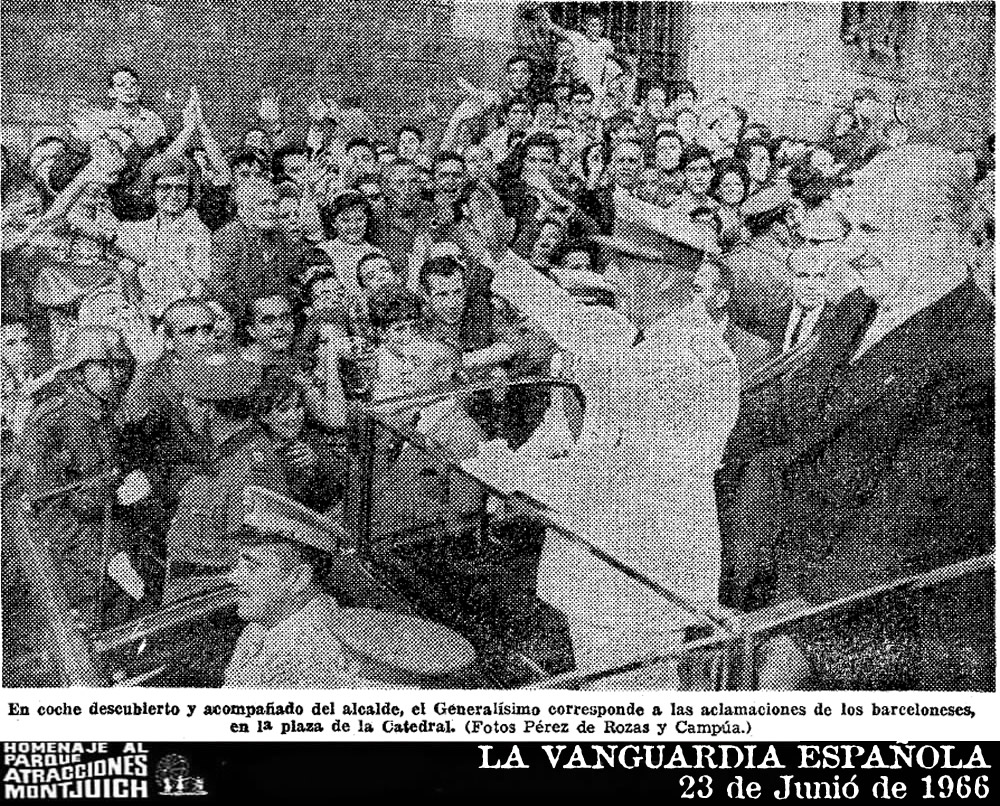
(271, 318)
(204, 330)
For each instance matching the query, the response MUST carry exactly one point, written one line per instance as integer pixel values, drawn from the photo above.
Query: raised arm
(466, 112)
(174, 152)
(213, 151)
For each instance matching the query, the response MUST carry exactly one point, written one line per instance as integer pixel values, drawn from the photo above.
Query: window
(649, 31)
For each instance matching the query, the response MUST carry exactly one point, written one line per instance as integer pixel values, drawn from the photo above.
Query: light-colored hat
(269, 515)
(655, 254)
(95, 343)
(400, 649)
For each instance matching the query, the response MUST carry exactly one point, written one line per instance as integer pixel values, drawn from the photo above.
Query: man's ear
(301, 577)
(111, 92)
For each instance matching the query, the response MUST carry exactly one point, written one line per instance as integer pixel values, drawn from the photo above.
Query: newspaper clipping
(445, 397)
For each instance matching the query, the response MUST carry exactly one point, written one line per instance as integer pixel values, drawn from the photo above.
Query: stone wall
(399, 56)
(786, 64)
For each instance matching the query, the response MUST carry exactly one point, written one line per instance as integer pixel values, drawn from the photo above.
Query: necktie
(797, 330)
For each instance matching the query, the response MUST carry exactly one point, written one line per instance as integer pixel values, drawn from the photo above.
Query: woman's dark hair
(672, 134)
(390, 305)
(344, 201)
(445, 266)
(410, 128)
(680, 87)
(289, 150)
(693, 152)
(249, 157)
(538, 140)
(364, 142)
(585, 154)
(729, 167)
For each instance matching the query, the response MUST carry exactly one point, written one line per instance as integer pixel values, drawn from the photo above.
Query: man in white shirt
(172, 249)
(517, 118)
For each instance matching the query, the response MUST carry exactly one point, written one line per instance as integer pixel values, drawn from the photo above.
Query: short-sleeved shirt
(302, 651)
(176, 257)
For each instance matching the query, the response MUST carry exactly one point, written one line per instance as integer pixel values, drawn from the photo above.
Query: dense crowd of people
(182, 321)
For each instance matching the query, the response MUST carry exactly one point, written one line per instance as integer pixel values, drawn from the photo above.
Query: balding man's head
(912, 188)
(188, 326)
(903, 211)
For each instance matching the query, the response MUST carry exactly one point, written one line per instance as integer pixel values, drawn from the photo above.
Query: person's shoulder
(49, 417)
(230, 231)
(746, 340)
(969, 314)
(314, 621)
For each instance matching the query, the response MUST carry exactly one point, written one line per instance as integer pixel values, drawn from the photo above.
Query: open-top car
(440, 530)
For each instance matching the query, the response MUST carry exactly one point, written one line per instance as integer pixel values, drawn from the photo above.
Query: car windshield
(475, 509)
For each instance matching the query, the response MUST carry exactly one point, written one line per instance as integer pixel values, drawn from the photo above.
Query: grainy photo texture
(453, 344)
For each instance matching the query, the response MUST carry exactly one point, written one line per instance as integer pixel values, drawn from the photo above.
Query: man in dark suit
(626, 171)
(713, 285)
(875, 460)
(249, 255)
(794, 324)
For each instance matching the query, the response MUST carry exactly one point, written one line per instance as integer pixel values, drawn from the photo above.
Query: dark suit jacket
(773, 328)
(751, 352)
(246, 265)
(865, 473)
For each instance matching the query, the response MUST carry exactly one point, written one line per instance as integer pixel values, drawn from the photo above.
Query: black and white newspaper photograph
(460, 393)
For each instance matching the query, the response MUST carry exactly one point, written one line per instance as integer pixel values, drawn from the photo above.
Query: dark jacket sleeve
(222, 282)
